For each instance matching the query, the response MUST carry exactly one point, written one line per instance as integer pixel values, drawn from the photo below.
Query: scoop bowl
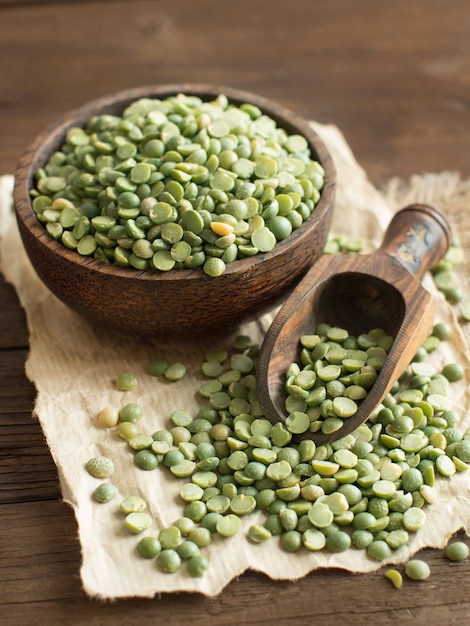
(359, 292)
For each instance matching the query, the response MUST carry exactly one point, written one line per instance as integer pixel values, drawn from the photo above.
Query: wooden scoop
(359, 292)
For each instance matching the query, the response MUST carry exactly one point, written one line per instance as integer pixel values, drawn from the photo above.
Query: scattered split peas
(368, 491)
(417, 569)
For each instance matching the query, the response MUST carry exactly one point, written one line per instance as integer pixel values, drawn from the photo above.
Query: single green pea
(195, 510)
(183, 468)
(169, 561)
(175, 372)
(445, 465)
(127, 430)
(320, 515)
(465, 311)
(362, 538)
(280, 227)
(189, 450)
(453, 372)
(180, 434)
(146, 460)
(313, 540)
(344, 407)
(414, 518)
(209, 521)
(163, 261)
(138, 521)
(453, 295)
(204, 479)
(263, 239)
(338, 541)
(133, 504)
(197, 565)
(140, 442)
(297, 422)
(442, 330)
(86, 245)
(462, 450)
(379, 550)
(229, 525)
(214, 267)
(325, 468)
(258, 534)
(457, 551)
(220, 504)
(100, 467)
(397, 538)
(56, 230)
(181, 417)
(291, 540)
(278, 470)
(105, 492)
(187, 549)
(169, 537)
(131, 412)
(199, 535)
(149, 547)
(416, 569)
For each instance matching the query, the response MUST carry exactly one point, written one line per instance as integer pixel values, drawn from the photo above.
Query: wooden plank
(13, 331)
(16, 391)
(26, 466)
(39, 570)
(381, 79)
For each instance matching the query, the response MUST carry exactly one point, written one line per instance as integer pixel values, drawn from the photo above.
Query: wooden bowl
(179, 302)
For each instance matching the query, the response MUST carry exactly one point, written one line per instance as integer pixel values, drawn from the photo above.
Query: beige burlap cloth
(73, 366)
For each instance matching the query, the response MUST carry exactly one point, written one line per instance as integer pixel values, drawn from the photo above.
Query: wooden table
(395, 77)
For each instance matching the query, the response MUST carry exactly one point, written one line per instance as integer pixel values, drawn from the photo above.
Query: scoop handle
(418, 236)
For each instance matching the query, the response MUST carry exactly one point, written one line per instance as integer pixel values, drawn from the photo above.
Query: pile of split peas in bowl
(177, 183)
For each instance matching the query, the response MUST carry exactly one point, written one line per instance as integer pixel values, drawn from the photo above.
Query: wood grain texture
(12, 319)
(393, 76)
(48, 589)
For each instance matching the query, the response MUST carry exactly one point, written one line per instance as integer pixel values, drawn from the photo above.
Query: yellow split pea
(221, 228)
